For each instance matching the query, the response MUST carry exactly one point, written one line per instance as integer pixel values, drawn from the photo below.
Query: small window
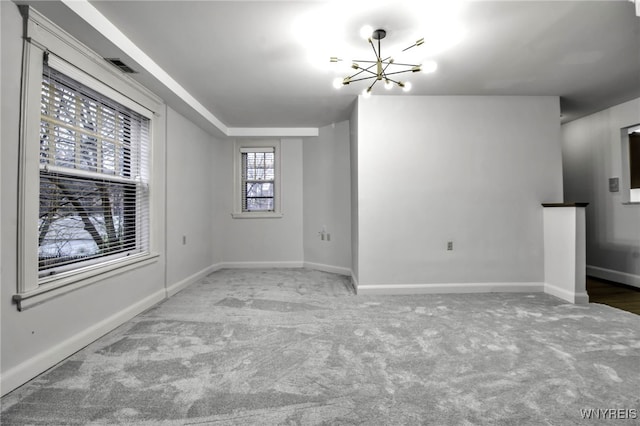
(631, 165)
(634, 159)
(93, 191)
(257, 179)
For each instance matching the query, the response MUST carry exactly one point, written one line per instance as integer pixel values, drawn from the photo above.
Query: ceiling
(248, 65)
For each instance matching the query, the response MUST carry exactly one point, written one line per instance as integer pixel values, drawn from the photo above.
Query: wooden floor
(613, 294)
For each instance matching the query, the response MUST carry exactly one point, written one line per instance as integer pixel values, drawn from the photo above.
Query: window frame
(72, 58)
(134, 159)
(630, 196)
(241, 146)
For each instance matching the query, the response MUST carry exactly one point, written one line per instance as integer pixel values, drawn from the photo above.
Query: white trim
(261, 265)
(272, 131)
(354, 282)
(75, 73)
(615, 276)
(569, 296)
(31, 367)
(47, 36)
(445, 288)
(257, 215)
(241, 146)
(327, 268)
(182, 284)
(97, 20)
(57, 286)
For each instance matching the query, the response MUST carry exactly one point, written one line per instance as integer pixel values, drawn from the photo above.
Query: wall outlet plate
(614, 184)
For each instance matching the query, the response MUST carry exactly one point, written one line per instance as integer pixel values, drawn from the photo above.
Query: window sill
(257, 215)
(52, 287)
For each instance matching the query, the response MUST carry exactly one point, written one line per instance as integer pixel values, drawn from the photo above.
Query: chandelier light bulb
(428, 67)
(407, 86)
(337, 82)
(366, 31)
(366, 93)
(388, 85)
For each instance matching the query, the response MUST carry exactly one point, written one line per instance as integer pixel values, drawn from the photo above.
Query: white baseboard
(327, 268)
(615, 276)
(181, 285)
(354, 282)
(393, 289)
(30, 368)
(260, 265)
(560, 293)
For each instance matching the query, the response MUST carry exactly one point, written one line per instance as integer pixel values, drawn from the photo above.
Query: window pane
(81, 219)
(259, 190)
(260, 204)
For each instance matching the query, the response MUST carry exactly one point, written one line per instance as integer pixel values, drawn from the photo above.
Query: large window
(93, 177)
(257, 179)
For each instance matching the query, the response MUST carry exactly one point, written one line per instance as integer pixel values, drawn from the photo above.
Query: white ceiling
(245, 64)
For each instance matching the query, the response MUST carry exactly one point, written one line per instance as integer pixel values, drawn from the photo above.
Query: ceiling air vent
(116, 62)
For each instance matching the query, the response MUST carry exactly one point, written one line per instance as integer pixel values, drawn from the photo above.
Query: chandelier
(383, 69)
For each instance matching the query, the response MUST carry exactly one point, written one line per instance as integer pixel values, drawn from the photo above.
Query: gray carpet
(294, 346)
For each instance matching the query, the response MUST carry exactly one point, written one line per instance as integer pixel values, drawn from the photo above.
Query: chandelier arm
(399, 72)
(362, 70)
(412, 46)
(406, 65)
(362, 78)
(384, 70)
(394, 81)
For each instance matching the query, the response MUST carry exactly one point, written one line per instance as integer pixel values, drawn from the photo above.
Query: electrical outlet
(184, 240)
(450, 245)
(328, 237)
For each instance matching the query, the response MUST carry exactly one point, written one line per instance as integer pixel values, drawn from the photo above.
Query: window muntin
(93, 177)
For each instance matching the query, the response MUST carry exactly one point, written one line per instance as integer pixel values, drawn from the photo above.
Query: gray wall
(472, 170)
(327, 199)
(270, 241)
(39, 337)
(353, 171)
(592, 154)
(190, 199)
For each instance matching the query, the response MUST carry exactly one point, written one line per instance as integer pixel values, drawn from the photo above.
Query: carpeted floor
(294, 346)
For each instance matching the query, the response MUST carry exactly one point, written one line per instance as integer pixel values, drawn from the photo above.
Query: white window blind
(94, 195)
(258, 179)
